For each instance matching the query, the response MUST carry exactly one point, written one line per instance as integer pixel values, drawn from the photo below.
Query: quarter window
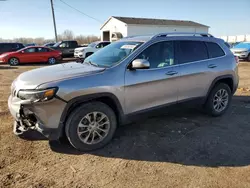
(190, 51)
(159, 55)
(214, 50)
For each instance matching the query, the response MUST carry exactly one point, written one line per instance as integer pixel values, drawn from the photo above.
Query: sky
(33, 18)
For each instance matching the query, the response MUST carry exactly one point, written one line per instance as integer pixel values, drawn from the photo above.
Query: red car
(31, 55)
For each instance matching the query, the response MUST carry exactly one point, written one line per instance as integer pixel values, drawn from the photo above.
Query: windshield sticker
(127, 46)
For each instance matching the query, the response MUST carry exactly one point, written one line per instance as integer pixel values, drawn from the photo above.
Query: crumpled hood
(33, 78)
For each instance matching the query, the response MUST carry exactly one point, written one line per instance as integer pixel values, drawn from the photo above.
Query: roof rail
(182, 33)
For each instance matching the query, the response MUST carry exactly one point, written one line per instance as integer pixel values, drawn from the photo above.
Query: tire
(83, 114)
(211, 102)
(248, 57)
(88, 54)
(13, 61)
(52, 60)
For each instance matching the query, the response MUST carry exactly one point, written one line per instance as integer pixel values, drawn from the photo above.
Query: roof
(151, 21)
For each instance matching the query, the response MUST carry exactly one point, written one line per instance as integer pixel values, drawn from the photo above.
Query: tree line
(66, 35)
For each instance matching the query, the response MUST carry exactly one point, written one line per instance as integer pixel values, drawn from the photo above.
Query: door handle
(171, 73)
(211, 66)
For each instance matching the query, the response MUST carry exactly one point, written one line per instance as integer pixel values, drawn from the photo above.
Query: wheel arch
(227, 79)
(108, 98)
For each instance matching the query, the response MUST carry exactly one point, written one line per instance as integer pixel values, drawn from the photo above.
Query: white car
(83, 52)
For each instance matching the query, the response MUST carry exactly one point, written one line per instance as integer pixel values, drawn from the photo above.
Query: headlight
(82, 50)
(3, 55)
(37, 95)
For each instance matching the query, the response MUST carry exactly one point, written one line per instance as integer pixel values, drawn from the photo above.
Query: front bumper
(241, 55)
(43, 117)
(3, 60)
(78, 54)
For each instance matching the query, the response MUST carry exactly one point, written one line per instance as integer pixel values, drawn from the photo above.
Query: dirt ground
(179, 148)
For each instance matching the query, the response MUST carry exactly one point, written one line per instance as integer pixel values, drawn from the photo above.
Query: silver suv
(87, 101)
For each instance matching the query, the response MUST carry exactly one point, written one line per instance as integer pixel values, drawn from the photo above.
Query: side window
(64, 45)
(100, 45)
(190, 51)
(30, 50)
(7, 47)
(214, 50)
(105, 44)
(42, 50)
(72, 44)
(159, 55)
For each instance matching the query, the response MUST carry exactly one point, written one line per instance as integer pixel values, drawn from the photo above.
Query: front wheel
(52, 60)
(218, 100)
(91, 126)
(13, 61)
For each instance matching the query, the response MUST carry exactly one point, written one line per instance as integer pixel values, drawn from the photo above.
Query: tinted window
(159, 55)
(214, 50)
(189, 51)
(72, 44)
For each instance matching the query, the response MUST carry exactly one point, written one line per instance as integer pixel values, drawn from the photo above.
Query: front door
(29, 55)
(156, 86)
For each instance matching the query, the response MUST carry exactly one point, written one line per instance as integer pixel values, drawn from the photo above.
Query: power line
(81, 12)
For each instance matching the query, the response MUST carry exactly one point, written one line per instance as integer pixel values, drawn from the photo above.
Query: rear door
(192, 57)
(44, 54)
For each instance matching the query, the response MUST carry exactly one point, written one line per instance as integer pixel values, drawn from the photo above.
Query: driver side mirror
(140, 64)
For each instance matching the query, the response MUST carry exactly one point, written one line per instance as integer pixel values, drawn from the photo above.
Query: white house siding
(153, 29)
(114, 25)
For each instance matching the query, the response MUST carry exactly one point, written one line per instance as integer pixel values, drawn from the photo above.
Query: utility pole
(54, 21)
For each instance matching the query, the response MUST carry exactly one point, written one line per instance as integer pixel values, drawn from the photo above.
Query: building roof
(151, 21)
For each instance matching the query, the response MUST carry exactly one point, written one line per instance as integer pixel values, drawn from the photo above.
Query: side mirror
(22, 52)
(140, 64)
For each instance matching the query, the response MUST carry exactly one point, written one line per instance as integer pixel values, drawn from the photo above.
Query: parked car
(10, 47)
(31, 44)
(66, 47)
(84, 52)
(31, 55)
(51, 44)
(87, 101)
(242, 50)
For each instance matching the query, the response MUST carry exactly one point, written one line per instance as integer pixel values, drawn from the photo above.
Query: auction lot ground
(179, 148)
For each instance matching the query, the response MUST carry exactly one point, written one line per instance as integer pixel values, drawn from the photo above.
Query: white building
(118, 27)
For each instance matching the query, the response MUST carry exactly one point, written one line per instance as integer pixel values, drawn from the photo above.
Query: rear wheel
(218, 100)
(91, 126)
(13, 61)
(52, 60)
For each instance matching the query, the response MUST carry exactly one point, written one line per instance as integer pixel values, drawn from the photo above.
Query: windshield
(92, 45)
(57, 44)
(242, 45)
(113, 53)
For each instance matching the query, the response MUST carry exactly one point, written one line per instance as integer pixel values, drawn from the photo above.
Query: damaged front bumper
(42, 117)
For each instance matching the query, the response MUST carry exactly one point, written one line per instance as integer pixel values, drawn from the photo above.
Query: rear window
(214, 50)
(190, 51)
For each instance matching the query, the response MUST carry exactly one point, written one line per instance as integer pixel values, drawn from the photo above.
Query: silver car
(87, 101)
(242, 50)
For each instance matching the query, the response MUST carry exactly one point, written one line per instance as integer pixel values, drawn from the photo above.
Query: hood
(81, 48)
(32, 79)
(239, 49)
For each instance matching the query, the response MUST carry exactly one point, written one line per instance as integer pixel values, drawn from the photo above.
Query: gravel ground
(179, 148)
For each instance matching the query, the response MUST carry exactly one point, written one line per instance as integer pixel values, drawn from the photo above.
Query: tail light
(236, 59)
